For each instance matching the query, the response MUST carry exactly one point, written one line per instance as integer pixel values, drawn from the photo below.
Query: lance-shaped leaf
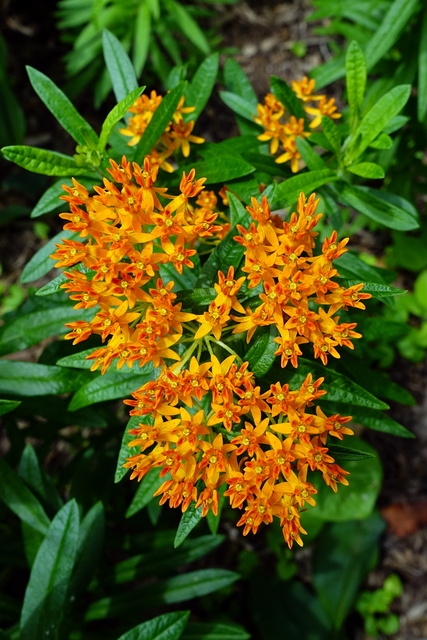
(228, 252)
(189, 520)
(313, 161)
(48, 163)
(32, 379)
(126, 451)
(196, 298)
(188, 26)
(287, 192)
(166, 627)
(116, 114)
(331, 133)
(141, 41)
(422, 71)
(54, 286)
(239, 105)
(369, 170)
(63, 110)
(41, 263)
(261, 354)
(50, 199)
(119, 66)
(214, 631)
(37, 479)
(158, 123)
(287, 97)
(8, 405)
(44, 605)
(355, 65)
(198, 91)
(20, 500)
(222, 168)
(89, 549)
(376, 119)
(146, 489)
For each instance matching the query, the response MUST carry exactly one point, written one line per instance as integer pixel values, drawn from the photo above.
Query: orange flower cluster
(279, 255)
(177, 134)
(207, 423)
(271, 442)
(282, 129)
(128, 233)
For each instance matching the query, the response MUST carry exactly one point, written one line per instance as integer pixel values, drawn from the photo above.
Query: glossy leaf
(287, 192)
(119, 66)
(50, 199)
(228, 252)
(355, 65)
(62, 108)
(198, 91)
(376, 290)
(189, 520)
(146, 489)
(30, 328)
(116, 114)
(169, 626)
(287, 97)
(390, 210)
(20, 500)
(54, 286)
(196, 298)
(45, 597)
(348, 453)
(377, 118)
(239, 105)
(164, 560)
(177, 589)
(77, 360)
(222, 169)
(349, 265)
(379, 421)
(343, 555)
(49, 163)
(367, 170)
(158, 123)
(126, 451)
(115, 383)
(41, 263)
(8, 405)
(357, 500)
(214, 631)
(31, 379)
(261, 353)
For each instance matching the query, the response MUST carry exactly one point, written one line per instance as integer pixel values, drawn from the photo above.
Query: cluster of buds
(282, 129)
(206, 423)
(177, 134)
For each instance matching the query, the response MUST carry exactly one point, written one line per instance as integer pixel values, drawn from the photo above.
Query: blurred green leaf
(146, 489)
(367, 170)
(8, 405)
(312, 159)
(355, 65)
(116, 114)
(198, 91)
(422, 71)
(237, 82)
(36, 478)
(141, 40)
(31, 379)
(166, 627)
(49, 163)
(189, 520)
(20, 500)
(119, 66)
(239, 105)
(62, 108)
(188, 26)
(287, 97)
(89, 549)
(332, 133)
(214, 631)
(44, 604)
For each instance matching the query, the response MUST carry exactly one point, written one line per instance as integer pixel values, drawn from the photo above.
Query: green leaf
(198, 91)
(30, 328)
(177, 589)
(8, 405)
(287, 192)
(379, 421)
(355, 65)
(116, 114)
(331, 133)
(115, 383)
(308, 154)
(196, 298)
(344, 554)
(348, 453)
(165, 560)
(146, 490)
(44, 605)
(49, 163)
(41, 263)
(238, 213)
(89, 549)
(119, 66)
(77, 360)
(169, 626)
(261, 354)
(395, 20)
(239, 105)
(54, 286)
(340, 388)
(367, 170)
(387, 208)
(158, 123)
(141, 40)
(287, 97)
(222, 168)
(20, 500)
(35, 478)
(376, 119)
(237, 82)
(376, 290)
(228, 252)
(382, 142)
(422, 71)
(31, 379)
(357, 500)
(188, 26)
(349, 265)
(63, 110)
(189, 520)
(125, 451)
(214, 631)
(50, 199)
